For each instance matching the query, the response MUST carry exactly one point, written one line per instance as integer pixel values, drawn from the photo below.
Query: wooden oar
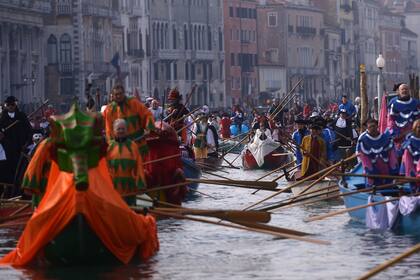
(21, 209)
(314, 183)
(309, 199)
(282, 235)
(15, 217)
(187, 100)
(391, 262)
(236, 145)
(236, 215)
(281, 154)
(202, 193)
(276, 170)
(321, 217)
(330, 194)
(380, 176)
(263, 184)
(189, 114)
(231, 184)
(287, 171)
(217, 175)
(279, 107)
(161, 188)
(162, 158)
(279, 177)
(325, 191)
(273, 228)
(300, 182)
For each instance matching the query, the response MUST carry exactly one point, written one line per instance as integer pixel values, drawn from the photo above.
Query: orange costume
(36, 175)
(125, 166)
(79, 185)
(138, 119)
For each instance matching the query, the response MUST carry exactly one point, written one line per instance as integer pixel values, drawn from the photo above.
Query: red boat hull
(270, 161)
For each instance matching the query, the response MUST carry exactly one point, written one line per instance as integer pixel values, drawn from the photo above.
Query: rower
(377, 153)
(212, 151)
(263, 143)
(348, 107)
(175, 114)
(138, 117)
(313, 147)
(403, 110)
(203, 137)
(125, 163)
(297, 137)
(410, 164)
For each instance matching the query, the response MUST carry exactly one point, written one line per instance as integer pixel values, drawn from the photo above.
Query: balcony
(64, 9)
(306, 31)
(91, 9)
(168, 54)
(203, 55)
(136, 53)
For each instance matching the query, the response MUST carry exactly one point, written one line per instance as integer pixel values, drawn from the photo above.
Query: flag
(383, 115)
(115, 61)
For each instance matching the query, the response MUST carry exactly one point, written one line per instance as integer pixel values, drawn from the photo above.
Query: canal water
(192, 250)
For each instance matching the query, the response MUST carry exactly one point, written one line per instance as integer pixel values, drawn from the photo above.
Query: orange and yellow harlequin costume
(125, 166)
(138, 119)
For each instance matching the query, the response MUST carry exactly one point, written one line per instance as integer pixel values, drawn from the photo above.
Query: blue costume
(401, 115)
(297, 137)
(378, 156)
(329, 136)
(410, 164)
(348, 107)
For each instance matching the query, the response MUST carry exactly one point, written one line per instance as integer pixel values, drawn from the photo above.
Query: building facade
(21, 50)
(187, 48)
(240, 39)
(367, 41)
(390, 47)
(272, 50)
(81, 39)
(305, 50)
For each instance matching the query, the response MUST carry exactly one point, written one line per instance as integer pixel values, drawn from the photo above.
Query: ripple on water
(191, 250)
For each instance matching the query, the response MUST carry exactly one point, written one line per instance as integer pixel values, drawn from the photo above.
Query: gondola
(271, 160)
(405, 224)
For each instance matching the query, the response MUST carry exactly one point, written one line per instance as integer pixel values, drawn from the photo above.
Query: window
(221, 69)
(174, 37)
(193, 71)
(272, 19)
(231, 12)
(221, 39)
(65, 49)
(185, 37)
(232, 59)
(175, 71)
(187, 71)
(156, 71)
(51, 50)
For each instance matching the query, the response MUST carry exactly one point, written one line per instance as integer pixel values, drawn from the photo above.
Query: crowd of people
(319, 136)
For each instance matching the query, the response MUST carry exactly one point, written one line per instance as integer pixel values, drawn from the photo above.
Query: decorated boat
(406, 213)
(271, 160)
(81, 218)
(163, 164)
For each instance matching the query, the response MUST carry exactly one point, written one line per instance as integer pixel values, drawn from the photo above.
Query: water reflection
(200, 251)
